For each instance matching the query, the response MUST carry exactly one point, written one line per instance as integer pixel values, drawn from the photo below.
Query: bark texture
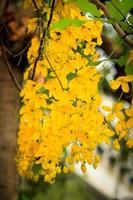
(8, 133)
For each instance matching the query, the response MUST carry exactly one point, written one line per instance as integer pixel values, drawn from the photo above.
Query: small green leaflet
(36, 168)
(65, 22)
(43, 90)
(71, 76)
(86, 6)
(74, 103)
(129, 69)
(122, 60)
(95, 63)
(125, 26)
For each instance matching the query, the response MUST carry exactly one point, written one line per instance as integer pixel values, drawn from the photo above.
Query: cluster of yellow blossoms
(121, 117)
(123, 125)
(124, 117)
(60, 123)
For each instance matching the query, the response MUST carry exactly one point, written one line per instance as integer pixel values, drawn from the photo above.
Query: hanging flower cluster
(123, 116)
(60, 102)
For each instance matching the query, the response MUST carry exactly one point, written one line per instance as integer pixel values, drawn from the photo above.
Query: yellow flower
(129, 113)
(114, 111)
(116, 145)
(65, 169)
(130, 143)
(83, 168)
(121, 129)
(123, 82)
(32, 23)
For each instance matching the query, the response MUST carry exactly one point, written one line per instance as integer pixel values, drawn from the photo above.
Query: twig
(19, 53)
(35, 5)
(127, 34)
(3, 6)
(39, 13)
(115, 25)
(109, 58)
(53, 70)
(23, 50)
(42, 39)
(10, 69)
(20, 59)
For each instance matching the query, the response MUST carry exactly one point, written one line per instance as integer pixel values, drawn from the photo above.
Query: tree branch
(43, 38)
(10, 69)
(116, 26)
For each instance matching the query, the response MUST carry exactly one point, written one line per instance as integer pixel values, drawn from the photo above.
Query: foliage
(66, 187)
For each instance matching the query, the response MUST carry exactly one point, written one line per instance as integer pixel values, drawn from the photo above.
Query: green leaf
(118, 10)
(129, 69)
(86, 6)
(76, 22)
(43, 90)
(122, 60)
(36, 168)
(94, 63)
(123, 6)
(114, 13)
(127, 5)
(65, 22)
(74, 103)
(61, 24)
(126, 27)
(71, 76)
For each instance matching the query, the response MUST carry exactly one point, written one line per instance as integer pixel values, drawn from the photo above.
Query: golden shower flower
(122, 82)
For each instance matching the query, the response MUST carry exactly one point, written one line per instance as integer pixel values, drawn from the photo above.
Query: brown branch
(53, 70)
(116, 26)
(42, 39)
(9, 67)
(35, 5)
(3, 6)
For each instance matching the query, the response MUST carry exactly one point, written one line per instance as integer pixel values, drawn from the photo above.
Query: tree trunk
(8, 133)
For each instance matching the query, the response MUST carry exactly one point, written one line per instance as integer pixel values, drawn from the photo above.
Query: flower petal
(116, 144)
(130, 143)
(128, 78)
(120, 115)
(115, 84)
(118, 106)
(107, 108)
(130, 123)
(129, 112)
(125, 87)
